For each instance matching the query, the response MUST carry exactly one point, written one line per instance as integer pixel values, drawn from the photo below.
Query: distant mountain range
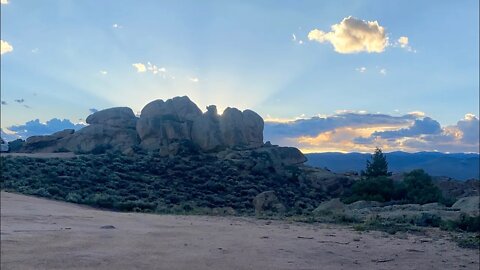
(461, 166)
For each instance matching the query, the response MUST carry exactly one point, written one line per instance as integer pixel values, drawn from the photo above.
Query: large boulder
(253, 128)
(282, 156)
(121, 117)
(206, 130)
(333, 206)
(47, 143)
(232, 128)
(267, 202)
(162, 122)
(469, 205)
(112, 128)
(241, 128)
(99, 138)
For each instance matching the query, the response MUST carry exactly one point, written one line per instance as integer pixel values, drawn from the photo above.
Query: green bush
(419, 188)
(463, 223)
(378, 189)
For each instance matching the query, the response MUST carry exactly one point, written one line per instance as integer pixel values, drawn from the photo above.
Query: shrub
(378, 189)
(419, 188)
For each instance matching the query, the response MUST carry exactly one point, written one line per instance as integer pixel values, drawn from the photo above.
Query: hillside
(458, 166)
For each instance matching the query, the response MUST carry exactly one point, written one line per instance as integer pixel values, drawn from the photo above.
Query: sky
(325, 75)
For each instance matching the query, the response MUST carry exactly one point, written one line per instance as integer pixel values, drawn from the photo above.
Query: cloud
(4, 2)
(140, 67)
(92, 110)
(353, 35)
(8, 135)
(193, 79)
(361, 69)
(315, 125)
(103, 72)
(19, 100)
(403, 42)
(421, 126)
(154, 69)
(294, 39)
(470, 129)
(5, 47)
(35, 127)
(383, 71)
(362, 132)
(417, 114)
(116, 25)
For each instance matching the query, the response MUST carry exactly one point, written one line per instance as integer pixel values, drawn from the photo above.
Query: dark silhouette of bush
(420, 189)
(379, 189)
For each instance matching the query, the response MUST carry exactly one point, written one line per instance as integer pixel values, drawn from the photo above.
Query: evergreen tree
(378, 166)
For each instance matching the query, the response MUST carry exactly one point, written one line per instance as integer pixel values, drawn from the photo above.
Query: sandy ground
(43, 234)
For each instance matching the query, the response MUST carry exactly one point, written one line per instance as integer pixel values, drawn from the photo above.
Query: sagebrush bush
(149, 182)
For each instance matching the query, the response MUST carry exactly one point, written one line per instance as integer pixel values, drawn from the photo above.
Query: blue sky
(68, 57)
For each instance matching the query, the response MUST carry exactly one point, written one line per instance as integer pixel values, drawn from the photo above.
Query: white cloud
(35, 50)
(294, 39)
(353, 35)
(383, 71)
(4, 2)
(154, 69)
(5, 47)
(403, 41)
(361, 69)
(193, 79)
(103, 72)
(417, 114)
(116, 25)
(140, 67)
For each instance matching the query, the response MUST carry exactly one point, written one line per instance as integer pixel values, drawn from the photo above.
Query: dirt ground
(44, 234)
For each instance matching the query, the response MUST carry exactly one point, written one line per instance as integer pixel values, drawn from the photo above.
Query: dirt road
(44, 234)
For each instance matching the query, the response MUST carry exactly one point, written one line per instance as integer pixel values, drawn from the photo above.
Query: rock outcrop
(169, 127)
(48, 143)
(112, 128)
(206, 132)
(120, 117)
(469, 205)
(267, 202)
(163, 122)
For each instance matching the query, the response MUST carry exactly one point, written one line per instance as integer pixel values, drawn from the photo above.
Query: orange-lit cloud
(355, 132)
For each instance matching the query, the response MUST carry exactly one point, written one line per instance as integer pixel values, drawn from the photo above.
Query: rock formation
(165, 126)
(162, 122)
(267, 202)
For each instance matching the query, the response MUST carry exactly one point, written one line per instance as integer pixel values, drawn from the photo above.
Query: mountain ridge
(461, 166)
